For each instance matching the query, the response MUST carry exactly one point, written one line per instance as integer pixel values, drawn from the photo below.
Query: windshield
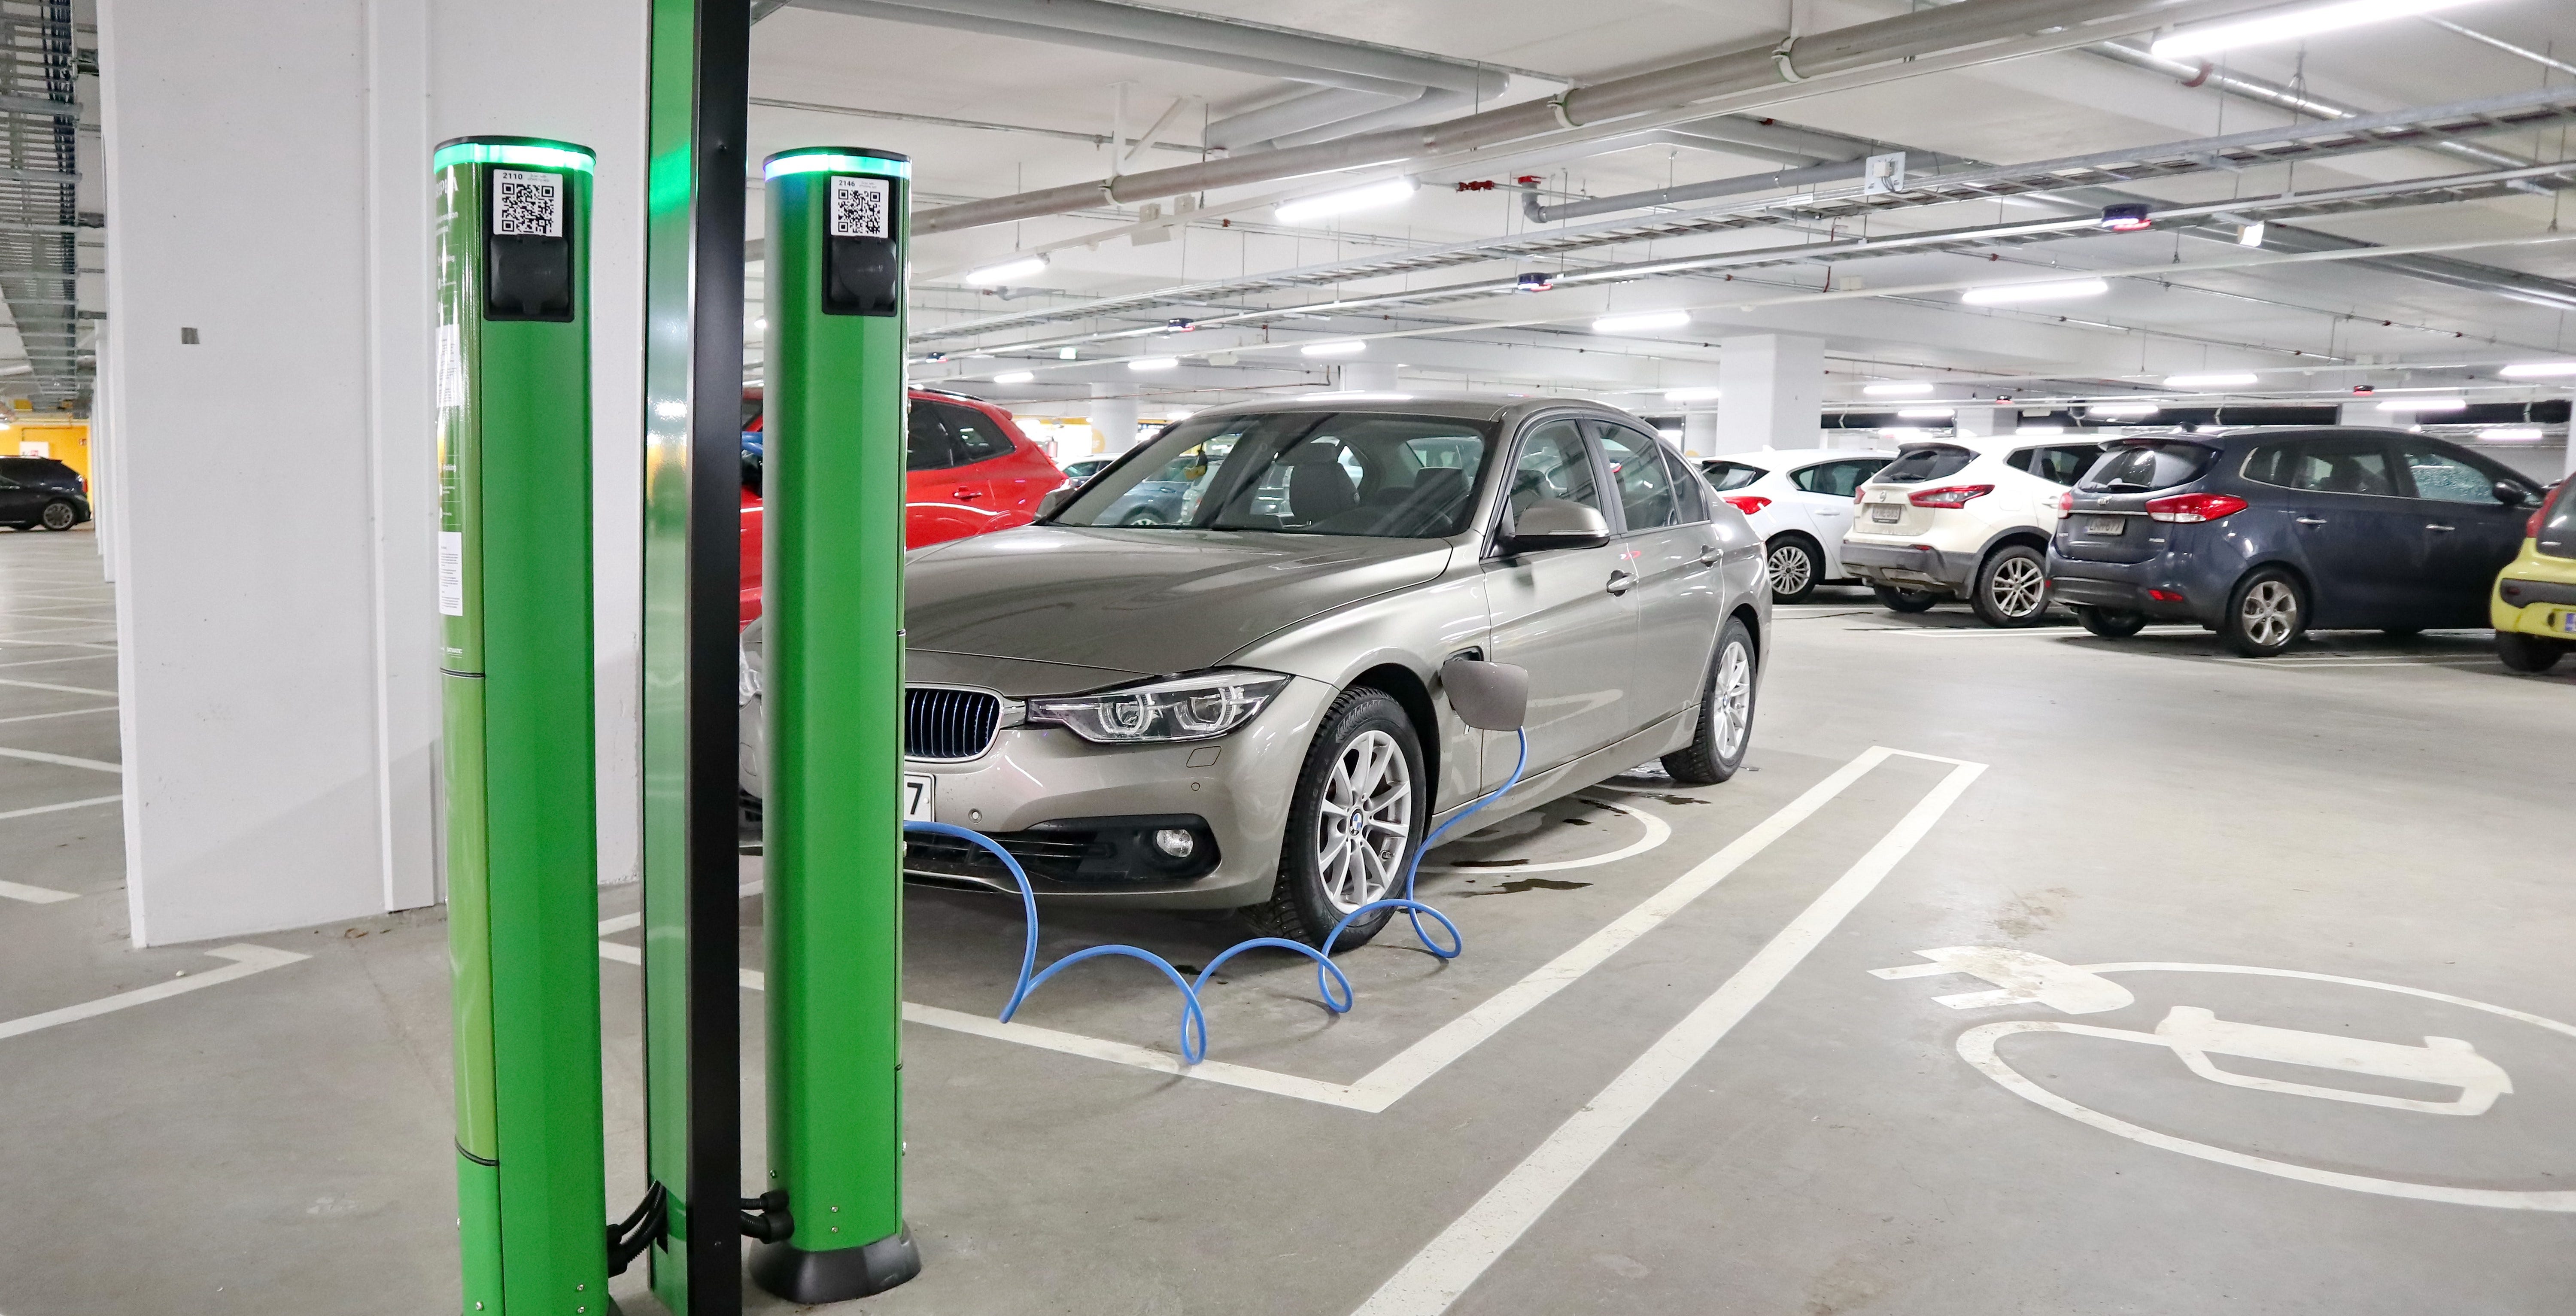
(1730, 475)
(2147, 467)
(1927, 463)
(1303, 472)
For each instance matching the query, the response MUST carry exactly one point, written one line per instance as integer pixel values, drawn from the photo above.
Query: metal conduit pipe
(1296, 114)
(1965, 25)
(2197, 73)
(1430, 106)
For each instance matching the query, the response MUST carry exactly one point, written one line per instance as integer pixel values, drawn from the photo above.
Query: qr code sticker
(526, 205)
(860, 206)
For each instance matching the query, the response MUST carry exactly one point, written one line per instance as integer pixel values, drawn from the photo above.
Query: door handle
(2446, 529)
(1708, 556)
(967, 495)
(2312, 520)
(1621, 582)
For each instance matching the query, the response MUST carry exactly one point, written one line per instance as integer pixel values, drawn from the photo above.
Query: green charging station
(832, 587)
(514, 591)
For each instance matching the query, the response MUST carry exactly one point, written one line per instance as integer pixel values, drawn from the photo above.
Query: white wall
(267, 173)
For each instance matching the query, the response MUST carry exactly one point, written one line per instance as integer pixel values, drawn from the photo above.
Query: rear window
(2558, 527)
(1731, 475)
(1921, 464)
(2146, 468)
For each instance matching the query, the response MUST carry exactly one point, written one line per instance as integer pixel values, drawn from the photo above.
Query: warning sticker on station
(451, 573)
(526, 205)
(862, 207)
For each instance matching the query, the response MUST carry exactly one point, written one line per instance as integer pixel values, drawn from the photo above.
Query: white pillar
(278, 684)
(1368, 377)
(1113, 416)
(2361, 413)
(1699, 434)
(1985, 422)
(1772, 391)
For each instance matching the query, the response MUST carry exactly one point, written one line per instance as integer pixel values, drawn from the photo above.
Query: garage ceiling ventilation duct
(1357, 87)
(40, 219)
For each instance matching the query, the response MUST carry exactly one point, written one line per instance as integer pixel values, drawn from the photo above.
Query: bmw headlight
(1198, 707)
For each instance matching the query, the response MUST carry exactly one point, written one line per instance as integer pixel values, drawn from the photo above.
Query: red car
(969, 470)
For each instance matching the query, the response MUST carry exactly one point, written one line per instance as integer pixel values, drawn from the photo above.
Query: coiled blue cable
(1328, 975)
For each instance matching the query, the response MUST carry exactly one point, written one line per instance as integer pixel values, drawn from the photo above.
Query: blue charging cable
(1330, 982)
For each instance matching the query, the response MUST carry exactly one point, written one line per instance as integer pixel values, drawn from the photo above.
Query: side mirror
(1487, 696)
(2511, 494)
(1557, 523)
(1055, 500)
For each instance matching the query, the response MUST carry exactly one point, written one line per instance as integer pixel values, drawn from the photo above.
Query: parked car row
(41, 493)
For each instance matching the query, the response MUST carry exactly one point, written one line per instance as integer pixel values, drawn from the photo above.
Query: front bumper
(1912, 565)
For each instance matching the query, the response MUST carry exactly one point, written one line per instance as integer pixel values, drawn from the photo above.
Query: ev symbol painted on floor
(2466, 1083)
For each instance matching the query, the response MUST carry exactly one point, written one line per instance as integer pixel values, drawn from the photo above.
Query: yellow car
(2534, 607)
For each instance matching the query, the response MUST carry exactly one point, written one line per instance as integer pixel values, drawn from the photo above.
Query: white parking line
(68, 712)
(61, 760)
(35, 895)
(57, 808)
(1440, 1272)
(66, 689)
(247, 960)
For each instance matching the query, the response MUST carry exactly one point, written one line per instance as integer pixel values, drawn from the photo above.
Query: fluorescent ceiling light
(2116, 410)
(1333, 349)
(2423, 404)
(2223, 379)
(1181, 414)
(1017, 267)
(1689, 394)
(2250, 236)
(1907, 389)
(1926, 413)
(2009, 293)
(2538, 369)
(2289, 25)
(1641, 322)
(1015, 377)
(1154, 363)
(1394, 191)
(1901, 431)
(2508, 433)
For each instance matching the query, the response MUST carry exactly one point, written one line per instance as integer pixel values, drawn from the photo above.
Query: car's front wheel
(1895, 599)
(2529, 653)
(1725, 725)
(1794, 569)
(2011, 587)
(1357, 813)
(59, 515)
(2111, 623)
(2267, 615)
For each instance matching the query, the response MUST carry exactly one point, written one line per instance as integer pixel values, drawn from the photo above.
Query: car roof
(1788, 456)
(1455, 406)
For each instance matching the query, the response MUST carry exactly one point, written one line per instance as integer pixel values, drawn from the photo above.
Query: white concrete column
(1113, 416)
(2361, 413)
(278, 684)
(1368, 377)
(1985, 422)
(1699, 434)
(1773, 391)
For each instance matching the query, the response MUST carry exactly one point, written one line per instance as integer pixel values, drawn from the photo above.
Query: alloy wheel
(1791, 570)
(2269, 613)
(2018, 587)
(60, 516)
(1734, 698)
(1364, 823)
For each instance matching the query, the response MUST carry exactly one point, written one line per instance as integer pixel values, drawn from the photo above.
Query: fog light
(1178, 842)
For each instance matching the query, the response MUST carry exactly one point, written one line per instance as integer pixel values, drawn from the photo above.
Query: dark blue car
(2261, 534)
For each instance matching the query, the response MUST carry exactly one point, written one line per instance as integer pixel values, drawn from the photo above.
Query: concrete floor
(1727, 1110)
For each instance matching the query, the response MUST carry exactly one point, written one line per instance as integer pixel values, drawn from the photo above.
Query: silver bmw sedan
(1236, 701)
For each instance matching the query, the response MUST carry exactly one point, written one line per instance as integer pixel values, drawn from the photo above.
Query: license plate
(2105, 525)
(2568, 623)
(920, 798)
(1885, 513)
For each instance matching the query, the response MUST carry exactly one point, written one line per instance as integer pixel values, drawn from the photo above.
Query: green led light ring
(565, 156)
(833, 162)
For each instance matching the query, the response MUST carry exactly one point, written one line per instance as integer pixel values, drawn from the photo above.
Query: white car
(1800, 501)
(1965, 518)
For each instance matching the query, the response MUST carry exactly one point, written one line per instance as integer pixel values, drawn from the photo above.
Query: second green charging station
(832, 607)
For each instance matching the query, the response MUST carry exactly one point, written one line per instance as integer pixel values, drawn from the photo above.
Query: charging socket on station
(527, 247)
(862, 265)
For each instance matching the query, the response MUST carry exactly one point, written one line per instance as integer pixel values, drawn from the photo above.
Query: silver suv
(1238, 704)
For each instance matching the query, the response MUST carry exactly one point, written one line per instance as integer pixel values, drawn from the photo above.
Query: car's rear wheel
(1357, 813)
(2529, 653)
(2267, 614)
(2011, 587)
(1794, 569)
(1725, 727)
(59, 515)
(1896, 599)
(2111, 623)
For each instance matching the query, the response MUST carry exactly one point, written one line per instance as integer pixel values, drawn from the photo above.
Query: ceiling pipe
(1296, 114)
(2197, 73)
(1816, 57)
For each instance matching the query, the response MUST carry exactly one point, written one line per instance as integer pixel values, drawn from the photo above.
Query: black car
(2261, 534)
(40, 492)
